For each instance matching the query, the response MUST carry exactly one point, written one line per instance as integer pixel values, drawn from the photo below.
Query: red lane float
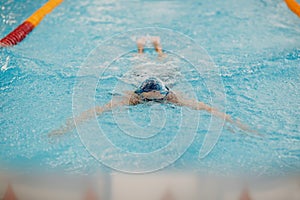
(29, 24)
(17, 35)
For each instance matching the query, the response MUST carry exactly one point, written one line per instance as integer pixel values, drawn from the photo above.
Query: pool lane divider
(29, 24)
(293, 6)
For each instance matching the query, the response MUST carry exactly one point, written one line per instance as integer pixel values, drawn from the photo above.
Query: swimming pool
(254, 45)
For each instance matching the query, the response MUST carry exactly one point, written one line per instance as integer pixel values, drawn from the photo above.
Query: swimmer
(151, 90)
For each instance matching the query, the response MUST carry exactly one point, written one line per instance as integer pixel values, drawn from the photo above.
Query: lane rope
(293, 6)
(18, 34)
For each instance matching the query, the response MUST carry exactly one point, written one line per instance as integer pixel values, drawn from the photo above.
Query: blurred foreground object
(9, 194)
(171, 186)
(245, 195)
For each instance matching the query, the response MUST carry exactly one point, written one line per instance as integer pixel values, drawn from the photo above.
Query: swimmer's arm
(226, 117)
(89, 114)
(200, 106)
(196, 105)
(83, 117)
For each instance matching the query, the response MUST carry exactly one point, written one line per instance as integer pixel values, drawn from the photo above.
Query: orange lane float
(293, 6)
(29, 24)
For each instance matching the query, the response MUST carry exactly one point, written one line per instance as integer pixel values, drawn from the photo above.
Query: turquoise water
(254, 45)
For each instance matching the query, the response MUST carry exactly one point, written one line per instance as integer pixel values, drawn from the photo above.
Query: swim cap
(152, 84)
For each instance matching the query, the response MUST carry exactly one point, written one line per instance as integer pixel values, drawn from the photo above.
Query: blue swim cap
(152, 84)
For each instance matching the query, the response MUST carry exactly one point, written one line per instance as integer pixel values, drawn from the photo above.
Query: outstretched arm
(131, 99)
(197, 105)
(83, 117)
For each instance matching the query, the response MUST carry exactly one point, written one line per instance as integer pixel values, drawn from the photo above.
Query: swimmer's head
(152, 84)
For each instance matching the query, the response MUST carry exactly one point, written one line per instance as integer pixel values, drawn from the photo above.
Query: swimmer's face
(153, 95)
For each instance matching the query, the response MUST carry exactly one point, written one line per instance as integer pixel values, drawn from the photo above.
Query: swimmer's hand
(67, 127)
(130, 99)
(228, 118)
(70, 123)
(193, 104)
(243, 127)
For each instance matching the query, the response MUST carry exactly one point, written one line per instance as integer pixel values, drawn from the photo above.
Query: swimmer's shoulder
(133, 98)
(172, 97)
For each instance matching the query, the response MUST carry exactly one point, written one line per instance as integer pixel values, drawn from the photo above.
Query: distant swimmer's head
(153, 84)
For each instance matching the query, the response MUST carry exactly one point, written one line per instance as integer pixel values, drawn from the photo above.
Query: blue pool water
(254, 45)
